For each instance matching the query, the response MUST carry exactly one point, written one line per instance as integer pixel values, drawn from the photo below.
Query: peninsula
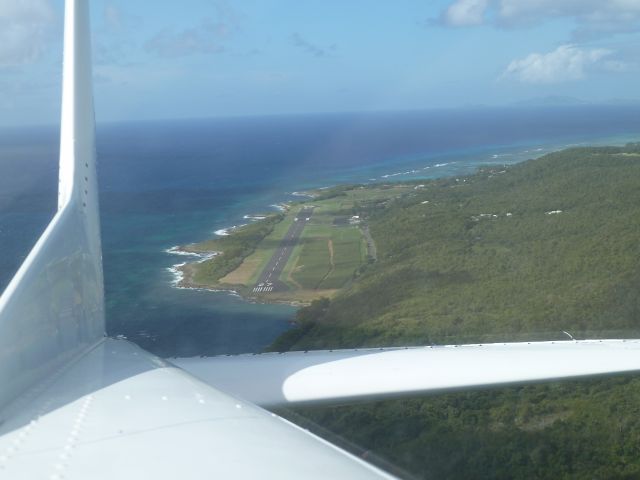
(312, 250)
(524, 252)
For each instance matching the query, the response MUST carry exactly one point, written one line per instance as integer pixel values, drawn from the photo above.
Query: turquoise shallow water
(169, 183)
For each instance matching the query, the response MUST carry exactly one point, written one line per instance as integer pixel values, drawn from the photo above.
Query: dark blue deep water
(169, 183)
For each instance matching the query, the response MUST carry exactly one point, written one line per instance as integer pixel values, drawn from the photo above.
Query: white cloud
(206, 39)
(118, 21)
(311, 48)
(113, 17)
(593, 17)
(24, 30)
(565, 63)
(463, 13)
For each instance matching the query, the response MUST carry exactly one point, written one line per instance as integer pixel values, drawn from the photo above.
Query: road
(269, 279)
(371, 245)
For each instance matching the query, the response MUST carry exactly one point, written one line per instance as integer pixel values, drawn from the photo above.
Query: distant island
(522, 252)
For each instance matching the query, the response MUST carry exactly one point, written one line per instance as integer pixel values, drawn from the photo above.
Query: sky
(215, 58)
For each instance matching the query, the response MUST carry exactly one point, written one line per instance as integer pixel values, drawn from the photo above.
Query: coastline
(179, 270)
(183, 272)
(183, 280)
(335, 231)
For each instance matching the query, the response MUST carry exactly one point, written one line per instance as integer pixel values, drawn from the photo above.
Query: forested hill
(522, 252)
(510, 253)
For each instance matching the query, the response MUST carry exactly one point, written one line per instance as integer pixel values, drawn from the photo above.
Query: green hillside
(513, 253)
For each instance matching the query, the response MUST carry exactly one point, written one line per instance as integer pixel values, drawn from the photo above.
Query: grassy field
(328, 258)
(332, 248)
(314, 261)
(248, 272)
(349, 252)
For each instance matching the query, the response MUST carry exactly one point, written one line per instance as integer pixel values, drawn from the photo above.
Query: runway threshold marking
(263, 289)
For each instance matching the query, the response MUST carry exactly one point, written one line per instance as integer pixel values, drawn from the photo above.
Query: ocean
(168, 183)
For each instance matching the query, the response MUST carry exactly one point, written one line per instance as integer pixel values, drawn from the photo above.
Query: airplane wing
(119, 412)
(76, 405)
(339, 376)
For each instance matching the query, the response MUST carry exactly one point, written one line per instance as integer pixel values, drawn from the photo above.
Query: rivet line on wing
(71, 442)
(22, 435)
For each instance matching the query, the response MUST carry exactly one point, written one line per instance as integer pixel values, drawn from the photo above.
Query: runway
(269, 280)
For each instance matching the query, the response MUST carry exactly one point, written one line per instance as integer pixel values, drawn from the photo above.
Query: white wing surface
(280, 379)
(121, 413)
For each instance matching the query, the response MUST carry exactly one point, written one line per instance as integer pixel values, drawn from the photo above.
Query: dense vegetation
(580, 430)
(233, 249)
(509, 253)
